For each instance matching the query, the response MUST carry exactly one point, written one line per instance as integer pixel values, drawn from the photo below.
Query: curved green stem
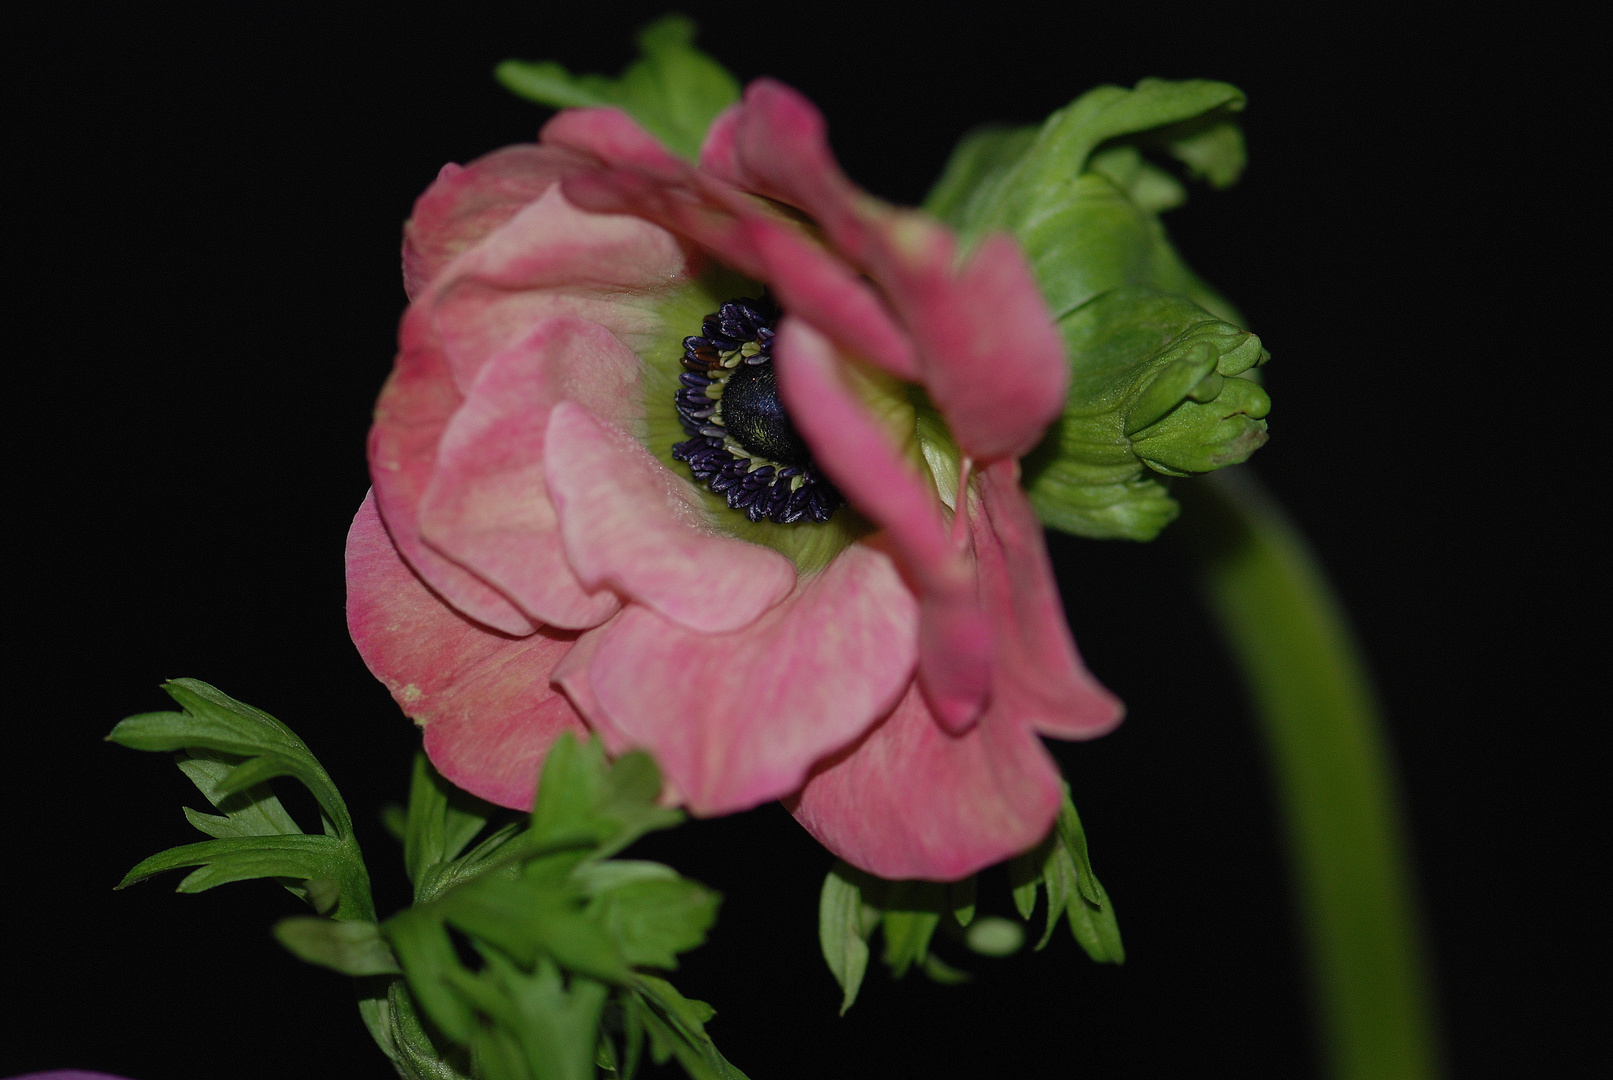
(1333, 778)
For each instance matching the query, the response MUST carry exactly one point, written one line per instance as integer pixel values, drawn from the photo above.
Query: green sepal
(674, 90)
(845, 923)
(353, 948)
(1157, 385)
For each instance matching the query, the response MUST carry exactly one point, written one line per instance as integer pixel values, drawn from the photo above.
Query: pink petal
(629, 522)
(483, 698)
(718, 153)
(415, 406)
(487, 506)
(847, 443)
(991, 358)
(911, 801)
(738, 719)
(614, 138)
(1037, 675)
(554, 259)
(466, 203)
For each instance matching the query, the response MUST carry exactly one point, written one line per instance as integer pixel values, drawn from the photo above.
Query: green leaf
(526, 918)
(1059, 153)
(652, 921)
(676, 1026)
(1025, 877)
(213, 720)
(582, 800)
(1073, 888)
(977, 165)
(845, 924)
(354, 947)
(243, 858)
(674, 91)
(420, 941)
(441, 820)
(254, 811)
(912, 911)
(1154, 386)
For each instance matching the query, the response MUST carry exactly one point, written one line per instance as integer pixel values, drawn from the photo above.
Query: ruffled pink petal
(847, 443)
(911, 801)
(484, 699)
(487, 506)
(628, 522)
(414, 409)
(738, 719)
(1037, 675)
(468, 202)
(992, 360)
(554, 259)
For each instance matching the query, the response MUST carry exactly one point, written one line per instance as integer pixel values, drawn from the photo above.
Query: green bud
(1158, 360)
(1157, 385)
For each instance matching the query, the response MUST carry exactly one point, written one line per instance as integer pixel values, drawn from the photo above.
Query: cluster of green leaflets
(1163, 379)
(854, 904)
(565, 939)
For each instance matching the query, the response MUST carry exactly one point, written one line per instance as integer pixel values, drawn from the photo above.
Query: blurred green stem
(1333, 777)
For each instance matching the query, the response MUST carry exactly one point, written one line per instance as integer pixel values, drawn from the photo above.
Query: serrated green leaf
(1215, 154)
(354, 947)
(243, 858)
(652, 921)
(582, 799)
(844, 927)
(674, 91)
(420, 1058)
(526, 918)
(253, 812)
(1062, 147)
(213, 720)
(676, 1026)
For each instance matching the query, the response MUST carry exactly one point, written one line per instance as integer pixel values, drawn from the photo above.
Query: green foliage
(854, 904)
(230, 751)
(1084, 201)
(1061, 865)
(674, 90)
(567, 939)
(562, 932)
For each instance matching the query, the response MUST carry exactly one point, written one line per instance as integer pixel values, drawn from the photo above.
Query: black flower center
(742, 445)
(755, 417)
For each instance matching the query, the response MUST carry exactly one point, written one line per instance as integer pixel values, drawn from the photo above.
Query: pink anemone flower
(721, 461)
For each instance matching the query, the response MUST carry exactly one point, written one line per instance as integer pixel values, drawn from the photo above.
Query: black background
(204, 291)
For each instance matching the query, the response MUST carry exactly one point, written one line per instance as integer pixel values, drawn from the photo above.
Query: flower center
(742, 445)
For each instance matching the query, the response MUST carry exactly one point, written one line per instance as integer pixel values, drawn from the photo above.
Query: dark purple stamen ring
(754, 457)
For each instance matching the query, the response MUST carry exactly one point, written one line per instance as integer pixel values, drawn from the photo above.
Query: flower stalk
(1333, 774)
